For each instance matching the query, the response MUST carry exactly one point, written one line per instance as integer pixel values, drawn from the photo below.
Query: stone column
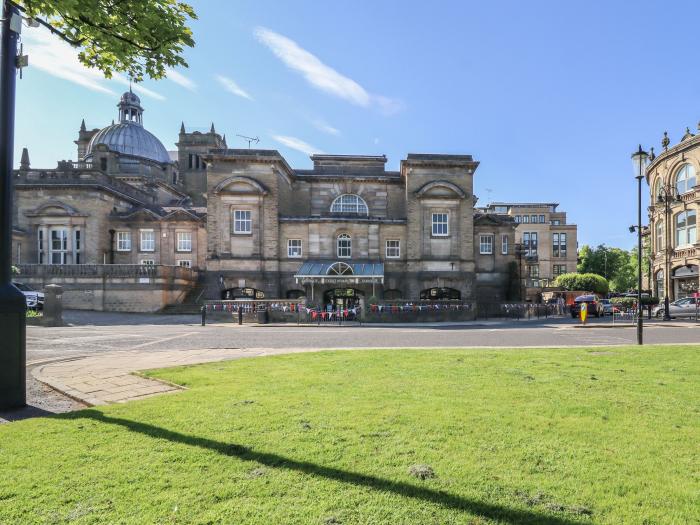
(45, 243)
(69, 244)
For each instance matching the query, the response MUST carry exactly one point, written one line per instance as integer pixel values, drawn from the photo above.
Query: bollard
(203, 312)
(240, 314)
(53, 305)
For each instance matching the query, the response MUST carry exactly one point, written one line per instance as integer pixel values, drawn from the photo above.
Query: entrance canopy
(340, 272)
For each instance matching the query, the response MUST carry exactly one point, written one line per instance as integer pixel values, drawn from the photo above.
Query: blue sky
(551, 97)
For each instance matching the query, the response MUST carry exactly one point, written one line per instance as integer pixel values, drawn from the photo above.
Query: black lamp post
(12, 303)
(667, 197)
(639, 160)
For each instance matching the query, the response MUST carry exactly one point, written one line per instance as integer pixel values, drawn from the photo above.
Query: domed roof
(130, 138)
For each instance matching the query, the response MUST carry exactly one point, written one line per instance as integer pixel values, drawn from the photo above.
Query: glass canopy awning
(340, 272)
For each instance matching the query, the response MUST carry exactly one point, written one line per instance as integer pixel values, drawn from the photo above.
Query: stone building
(674, 206)
(242, 223)
(549, 243)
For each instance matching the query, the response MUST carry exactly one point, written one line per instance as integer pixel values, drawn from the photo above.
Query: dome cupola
(128, 136)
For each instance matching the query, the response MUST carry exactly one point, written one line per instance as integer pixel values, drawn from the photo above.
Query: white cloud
(231, 86)
(322, 125)
(57, 58)
(181, 79)
(296, 144)
(320, 75)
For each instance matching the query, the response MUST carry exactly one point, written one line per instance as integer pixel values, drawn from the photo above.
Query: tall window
(559, 269)
(685, 178)
(530, 243)
(558, 245)
(123, 241)
(393, 248)
(657, 188)
(184, 241)
(533, 219)
(504, 244)
(517, 218)
(242, 221)
(440, 224)
(77, 247)
(148, 241)
(349, 203)
(660, 237)
(686, 232)
(533, 270)
(541, 219)
(294, 248)
(344, 246)
(40, 246)
(485, 244)
(526, 219)
(59, 246)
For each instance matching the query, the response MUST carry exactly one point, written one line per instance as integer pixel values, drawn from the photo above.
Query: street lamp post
(639, 160)
(12, 302)
(667, 196)
(519, 251)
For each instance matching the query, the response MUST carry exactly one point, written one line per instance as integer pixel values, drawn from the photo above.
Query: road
(96, 332)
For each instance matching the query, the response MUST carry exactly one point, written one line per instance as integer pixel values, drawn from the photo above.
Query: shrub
(630, 301)
(588, 282)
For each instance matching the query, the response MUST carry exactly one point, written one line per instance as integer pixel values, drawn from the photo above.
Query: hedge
(588, 282)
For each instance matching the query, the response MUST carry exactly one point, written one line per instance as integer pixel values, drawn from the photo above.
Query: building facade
(549, 244)
(674, 205)
(248, 225)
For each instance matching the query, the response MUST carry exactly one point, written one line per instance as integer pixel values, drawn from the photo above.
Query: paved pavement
(93, 361)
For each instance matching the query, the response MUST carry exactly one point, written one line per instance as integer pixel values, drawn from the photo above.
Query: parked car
(607, 306)
(681, 308)
(595, 308)
(35, 298)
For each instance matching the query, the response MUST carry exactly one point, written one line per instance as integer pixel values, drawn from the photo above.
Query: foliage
(330, 437)
(143, 37)
(630, 301)
(616, 265)
(33, 313)
(14, 270)
(372, 299)
(588, 282)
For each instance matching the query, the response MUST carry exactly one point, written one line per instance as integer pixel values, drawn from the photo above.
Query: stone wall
(117, 288)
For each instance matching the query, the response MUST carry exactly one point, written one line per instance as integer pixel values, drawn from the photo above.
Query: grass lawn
(600, 435)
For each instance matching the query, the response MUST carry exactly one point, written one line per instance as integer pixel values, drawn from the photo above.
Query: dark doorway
(440, 294)
(342, 298)
(242, 293)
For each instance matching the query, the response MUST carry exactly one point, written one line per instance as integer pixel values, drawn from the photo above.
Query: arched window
(349, 203)
(340, 268)
(660, 236)
(657, 188)
(686, 232)
(685, 178)
(344, 246)
(660, 289)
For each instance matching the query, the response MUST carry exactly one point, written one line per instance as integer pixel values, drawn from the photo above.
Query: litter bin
(263, 316)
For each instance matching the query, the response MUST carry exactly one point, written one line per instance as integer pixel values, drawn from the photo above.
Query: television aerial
(249, 140)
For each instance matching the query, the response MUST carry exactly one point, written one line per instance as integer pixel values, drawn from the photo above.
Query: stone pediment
(441, 189)
(182, 215)
(142, 214)
(240, 184)
(54, 208)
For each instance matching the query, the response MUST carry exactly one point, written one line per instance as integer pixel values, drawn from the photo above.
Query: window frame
(686, 229)
(239, 221)
(180, 261)
(504, 244)
(62, 251)
(291, 255)
(358, 206)
(142, 242)
(439, 224)
(688, 172)
(345, 238)
(397, 255)
(178, 241)
(488, 237)
(120, 240)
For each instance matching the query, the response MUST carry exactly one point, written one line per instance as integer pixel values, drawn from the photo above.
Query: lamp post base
(13, 308)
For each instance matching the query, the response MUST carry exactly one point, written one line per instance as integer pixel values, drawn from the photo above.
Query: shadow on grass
(271, 460)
